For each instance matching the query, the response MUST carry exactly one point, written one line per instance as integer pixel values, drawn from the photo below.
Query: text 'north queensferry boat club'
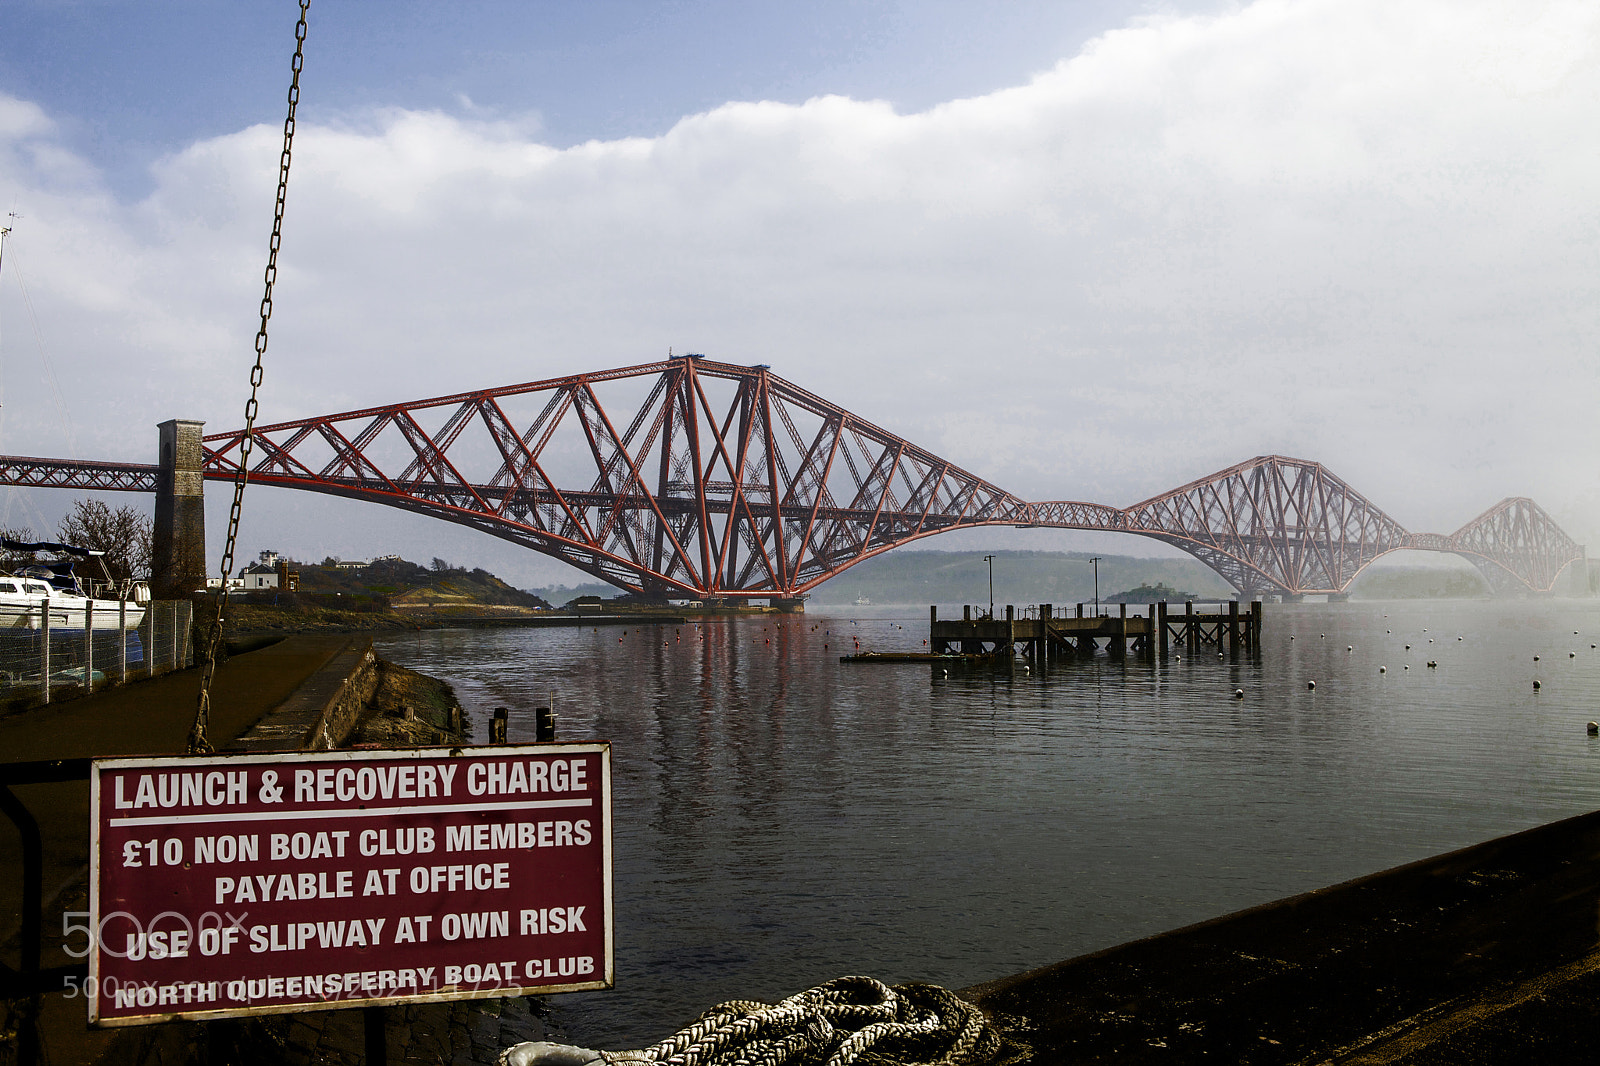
(249, 884)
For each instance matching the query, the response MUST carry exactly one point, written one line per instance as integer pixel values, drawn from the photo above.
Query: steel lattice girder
(1516, 542)
(1272, 523)
(76, 474)
(728, 481)
(717, 481)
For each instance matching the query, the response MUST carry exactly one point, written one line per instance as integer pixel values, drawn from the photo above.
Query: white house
(262, 574)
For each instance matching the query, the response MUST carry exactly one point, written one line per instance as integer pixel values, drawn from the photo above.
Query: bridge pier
(789, 604)
(178, 540)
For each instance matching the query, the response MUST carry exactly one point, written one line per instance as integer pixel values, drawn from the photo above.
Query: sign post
(229, 886)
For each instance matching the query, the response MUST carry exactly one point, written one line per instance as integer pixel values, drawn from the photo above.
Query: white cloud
(1359, 232)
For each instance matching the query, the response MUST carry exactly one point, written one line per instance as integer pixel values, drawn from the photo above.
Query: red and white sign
(224, 886)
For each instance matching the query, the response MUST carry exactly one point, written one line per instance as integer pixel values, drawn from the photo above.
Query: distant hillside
(1417, 583)
(403, 584)
(1020, 578)
(560, 595)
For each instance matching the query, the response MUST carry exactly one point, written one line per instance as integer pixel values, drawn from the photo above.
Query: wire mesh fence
(46, 655)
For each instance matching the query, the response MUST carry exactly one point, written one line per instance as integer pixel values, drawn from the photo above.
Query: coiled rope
(843, 1021)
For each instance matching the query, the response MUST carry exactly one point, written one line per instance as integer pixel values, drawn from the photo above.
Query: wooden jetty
(1046, 635)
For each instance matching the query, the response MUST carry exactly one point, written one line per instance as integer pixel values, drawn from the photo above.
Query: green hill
(1020, 577)
(396, 582)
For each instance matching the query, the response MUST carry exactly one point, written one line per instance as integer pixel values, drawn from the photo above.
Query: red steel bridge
(693, 479)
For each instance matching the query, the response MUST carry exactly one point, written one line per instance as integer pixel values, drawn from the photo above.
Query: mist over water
(781, 818)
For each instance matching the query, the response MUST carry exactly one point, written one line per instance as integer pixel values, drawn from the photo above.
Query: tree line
(125, 534)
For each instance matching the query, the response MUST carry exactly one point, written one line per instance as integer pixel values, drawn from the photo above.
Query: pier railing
(40, 661)
(1043, 633)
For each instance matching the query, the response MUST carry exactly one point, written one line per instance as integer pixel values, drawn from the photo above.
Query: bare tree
(124, 534)
(9, 559)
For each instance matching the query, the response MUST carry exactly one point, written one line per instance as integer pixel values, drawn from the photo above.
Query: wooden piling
(44, 649)
(1162, 645)
(1233, 627)
(88, 644)
(122, 627)
(1191, 638)
(1255, 626)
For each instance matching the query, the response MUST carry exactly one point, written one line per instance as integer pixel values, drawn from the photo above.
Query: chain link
(199, 743)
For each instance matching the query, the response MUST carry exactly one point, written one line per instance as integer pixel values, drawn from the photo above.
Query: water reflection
(782, 819)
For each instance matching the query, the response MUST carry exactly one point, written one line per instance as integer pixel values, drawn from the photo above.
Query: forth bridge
(695, 479)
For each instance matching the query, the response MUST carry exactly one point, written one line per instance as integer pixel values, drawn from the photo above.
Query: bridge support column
(1338, 597)
(179, 538)
(789, 604)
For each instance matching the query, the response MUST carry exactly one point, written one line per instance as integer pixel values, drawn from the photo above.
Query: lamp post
(1096, 562)
(990, 560)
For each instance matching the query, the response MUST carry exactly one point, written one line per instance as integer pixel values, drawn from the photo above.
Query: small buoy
(1594, 729)
(1406, 667)
(1572, 655)
(1458, 638)
(1383, 669)
(1408, 647)
(1238, 693)
(1432, 664)
(1535, 658)
(1311, 684)
(1322, 636)
(1349, 647)
(1291, 636)
(1430, 640)
(1536, 685)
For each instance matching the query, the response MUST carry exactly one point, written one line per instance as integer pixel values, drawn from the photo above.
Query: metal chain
(198, 741)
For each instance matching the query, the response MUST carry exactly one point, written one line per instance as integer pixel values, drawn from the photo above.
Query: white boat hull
(67, 614)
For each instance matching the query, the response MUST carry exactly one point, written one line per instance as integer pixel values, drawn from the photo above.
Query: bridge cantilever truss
(695, 479)
(685, 477)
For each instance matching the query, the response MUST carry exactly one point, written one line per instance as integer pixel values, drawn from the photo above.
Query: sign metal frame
(604, 978)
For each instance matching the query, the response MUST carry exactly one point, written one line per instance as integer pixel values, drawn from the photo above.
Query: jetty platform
(1045, 634)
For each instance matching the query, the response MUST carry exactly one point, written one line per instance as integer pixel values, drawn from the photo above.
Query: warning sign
(224, 886)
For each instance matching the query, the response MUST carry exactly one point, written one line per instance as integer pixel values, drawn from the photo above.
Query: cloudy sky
(1087, 251)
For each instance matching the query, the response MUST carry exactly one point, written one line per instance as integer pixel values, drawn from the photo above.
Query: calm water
(782, 819)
